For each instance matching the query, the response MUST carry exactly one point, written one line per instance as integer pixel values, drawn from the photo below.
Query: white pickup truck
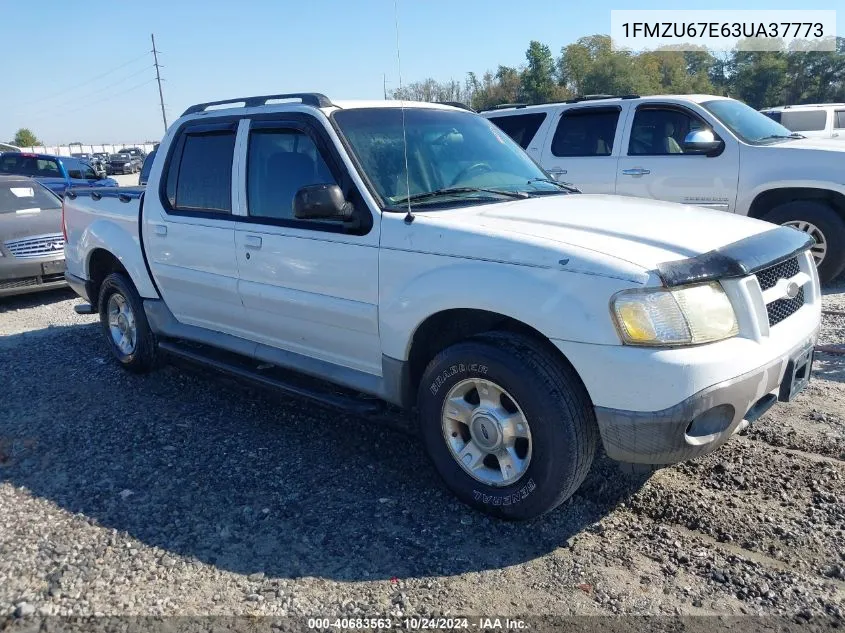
(701, 150)
(413, 254)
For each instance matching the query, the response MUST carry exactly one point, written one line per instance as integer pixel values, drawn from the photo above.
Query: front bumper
(697, 425)
(25, 276)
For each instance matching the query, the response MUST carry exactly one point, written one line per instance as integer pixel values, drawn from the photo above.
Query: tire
(549, 395)
(141, 356)
(827, 221)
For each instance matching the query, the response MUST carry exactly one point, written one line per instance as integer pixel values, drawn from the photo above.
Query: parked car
(124, 163)
(701, 150)
(6, 147)
(521, 320)
(146, 167)
(32, 254)
(137, 152)
(92, 160)
(814, 120)
(57, 173)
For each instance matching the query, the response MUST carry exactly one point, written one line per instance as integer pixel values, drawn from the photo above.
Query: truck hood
(641, 232)
(824, 144)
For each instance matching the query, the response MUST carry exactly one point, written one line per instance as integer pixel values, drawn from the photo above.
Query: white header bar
(724, 30)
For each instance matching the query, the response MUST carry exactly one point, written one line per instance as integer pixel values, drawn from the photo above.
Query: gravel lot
(183, 493)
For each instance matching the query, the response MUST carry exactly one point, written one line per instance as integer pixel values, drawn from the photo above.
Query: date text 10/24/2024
(418, 623)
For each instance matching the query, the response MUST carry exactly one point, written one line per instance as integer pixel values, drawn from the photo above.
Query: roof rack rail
(455, 104)
(315, 99)
(597, 97)
(503, 106)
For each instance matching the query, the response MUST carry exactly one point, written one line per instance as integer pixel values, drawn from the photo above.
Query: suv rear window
(520, 127)
(22, 165)
(585, 132)
(803, 121)
(199, 176)
(839, 121)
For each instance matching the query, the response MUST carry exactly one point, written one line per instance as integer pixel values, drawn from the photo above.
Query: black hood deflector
(737, 259)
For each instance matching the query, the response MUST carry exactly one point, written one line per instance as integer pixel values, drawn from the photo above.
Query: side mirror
(702, 142)
(321, 202)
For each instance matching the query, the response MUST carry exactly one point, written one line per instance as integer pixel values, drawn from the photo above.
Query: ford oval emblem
(792, 290)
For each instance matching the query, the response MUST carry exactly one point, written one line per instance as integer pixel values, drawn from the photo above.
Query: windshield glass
(446, 149)
(744, 121)
(25, 195)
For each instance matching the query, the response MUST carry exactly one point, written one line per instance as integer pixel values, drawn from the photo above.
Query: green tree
(538, 81)
(760, 77)
(25, 138)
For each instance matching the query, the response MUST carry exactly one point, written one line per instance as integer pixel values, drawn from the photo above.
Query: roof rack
(597, 97)
(315, 99)
(455, 104)
(504, 106)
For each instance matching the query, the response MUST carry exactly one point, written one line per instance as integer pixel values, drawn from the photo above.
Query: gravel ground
(183, 493)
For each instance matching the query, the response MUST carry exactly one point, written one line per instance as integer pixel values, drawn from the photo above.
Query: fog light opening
(707, 426)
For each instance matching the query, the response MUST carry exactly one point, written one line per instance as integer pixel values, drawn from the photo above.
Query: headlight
(687, 315)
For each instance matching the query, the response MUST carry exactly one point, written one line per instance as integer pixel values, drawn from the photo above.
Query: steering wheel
(479, 167)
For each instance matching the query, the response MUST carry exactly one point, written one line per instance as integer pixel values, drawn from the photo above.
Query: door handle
(252, 241)
(636, 171)
(161, 230)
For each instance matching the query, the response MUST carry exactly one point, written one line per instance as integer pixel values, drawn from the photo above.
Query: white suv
(699, 150)
(813, 120)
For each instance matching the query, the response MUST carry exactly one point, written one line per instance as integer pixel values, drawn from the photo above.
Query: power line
(78, 98)
(108, 98)
(78, 85)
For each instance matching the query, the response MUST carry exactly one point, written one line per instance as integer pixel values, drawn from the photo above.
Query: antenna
(409, 217)
(158, 78)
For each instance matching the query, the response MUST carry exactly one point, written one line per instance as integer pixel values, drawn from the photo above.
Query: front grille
(769, 277)
(779, 309)
(39, 246)
(18, 283)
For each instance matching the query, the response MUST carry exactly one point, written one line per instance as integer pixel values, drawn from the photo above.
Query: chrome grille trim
(36, 246)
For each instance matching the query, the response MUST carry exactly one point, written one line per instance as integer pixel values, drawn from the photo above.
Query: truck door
(188, 231)
(582, 148)
(653, 163)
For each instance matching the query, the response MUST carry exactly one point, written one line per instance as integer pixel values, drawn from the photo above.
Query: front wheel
(824, 225)
(508, 424)
(125, 325)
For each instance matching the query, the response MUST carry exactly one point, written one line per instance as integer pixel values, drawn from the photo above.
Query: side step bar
(84, 308)
(239, 367)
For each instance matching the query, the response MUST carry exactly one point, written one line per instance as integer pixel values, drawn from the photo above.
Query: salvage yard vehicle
(32, 254)
(702, 150)
(520, 321)
(123, 163)
(814, 120)
(57, 173)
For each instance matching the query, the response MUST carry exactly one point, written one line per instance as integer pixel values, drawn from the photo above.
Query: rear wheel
(125, 325)
(824, 225)
(508, 425)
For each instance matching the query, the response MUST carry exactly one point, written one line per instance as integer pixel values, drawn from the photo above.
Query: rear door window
(804, 121)
(520, 127)
(839, 120)
(586, 132)
(199, 176)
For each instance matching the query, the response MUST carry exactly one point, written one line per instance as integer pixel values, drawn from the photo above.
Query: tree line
(592, 66)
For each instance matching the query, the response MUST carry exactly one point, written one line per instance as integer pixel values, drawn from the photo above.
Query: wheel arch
(447, 327)
(767, 200)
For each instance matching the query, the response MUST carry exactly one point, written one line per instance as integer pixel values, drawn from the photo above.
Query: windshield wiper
(564, 186)
(771, 136)
(449, 191)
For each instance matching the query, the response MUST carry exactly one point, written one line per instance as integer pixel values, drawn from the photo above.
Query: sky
(83, 71)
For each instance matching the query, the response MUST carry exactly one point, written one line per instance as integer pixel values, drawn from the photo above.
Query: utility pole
(384, 85)
(158, 79)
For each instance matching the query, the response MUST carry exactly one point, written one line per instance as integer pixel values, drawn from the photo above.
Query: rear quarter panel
(108, 224)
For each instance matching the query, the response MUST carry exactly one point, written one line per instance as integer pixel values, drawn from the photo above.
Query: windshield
(446, 150)
(744, 121)
(25, 195)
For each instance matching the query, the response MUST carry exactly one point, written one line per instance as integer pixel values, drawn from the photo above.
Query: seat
(670, 145)
(285, 174)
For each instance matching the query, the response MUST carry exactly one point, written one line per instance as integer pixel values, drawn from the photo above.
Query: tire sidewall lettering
(509, 499)
(454, 370)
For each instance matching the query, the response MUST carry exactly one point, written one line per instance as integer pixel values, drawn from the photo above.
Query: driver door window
(661, 131)
(280, 163)
(88, 172)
